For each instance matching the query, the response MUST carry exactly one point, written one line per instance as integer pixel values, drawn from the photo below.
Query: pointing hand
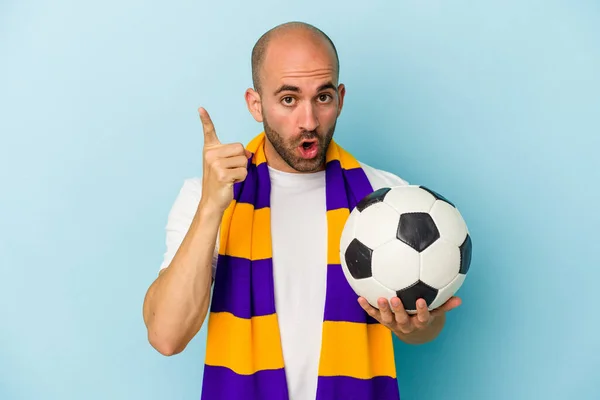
(223, 166)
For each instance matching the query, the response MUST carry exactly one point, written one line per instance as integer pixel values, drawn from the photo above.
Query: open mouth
(308, 149)
(307, 144)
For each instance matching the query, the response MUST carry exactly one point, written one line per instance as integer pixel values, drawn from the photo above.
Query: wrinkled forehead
(302, 60)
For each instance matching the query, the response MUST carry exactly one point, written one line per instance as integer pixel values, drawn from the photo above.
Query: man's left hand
(399, 321)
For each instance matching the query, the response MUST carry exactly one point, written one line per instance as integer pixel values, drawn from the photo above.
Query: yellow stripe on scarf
(244, 345)
(346, 159)
(254, 246)
(335, 224)
(357, 350)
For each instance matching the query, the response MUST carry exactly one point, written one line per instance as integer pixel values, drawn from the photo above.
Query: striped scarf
(244, 359)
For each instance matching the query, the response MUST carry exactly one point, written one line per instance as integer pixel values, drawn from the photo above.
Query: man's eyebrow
(328, 85)
(296, 89)
(287, 88)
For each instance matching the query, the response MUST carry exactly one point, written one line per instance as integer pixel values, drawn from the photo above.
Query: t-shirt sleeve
(380, 178)
(180, 219)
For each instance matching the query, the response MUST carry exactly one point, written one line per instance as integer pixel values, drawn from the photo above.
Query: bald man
(297, 98)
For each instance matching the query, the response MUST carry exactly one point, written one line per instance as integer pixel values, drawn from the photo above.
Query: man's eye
(324, 98)
(288, 100)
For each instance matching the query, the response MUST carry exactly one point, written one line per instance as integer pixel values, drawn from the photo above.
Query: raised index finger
(210, 135)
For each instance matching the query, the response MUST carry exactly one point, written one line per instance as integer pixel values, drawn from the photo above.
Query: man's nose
(308, 119)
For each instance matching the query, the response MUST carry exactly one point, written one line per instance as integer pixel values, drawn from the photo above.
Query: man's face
(300, 102)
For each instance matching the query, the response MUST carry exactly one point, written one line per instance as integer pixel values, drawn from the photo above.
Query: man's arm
(176, 303)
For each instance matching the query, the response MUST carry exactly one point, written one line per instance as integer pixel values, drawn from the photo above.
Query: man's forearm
(177, 302)
(426, 335)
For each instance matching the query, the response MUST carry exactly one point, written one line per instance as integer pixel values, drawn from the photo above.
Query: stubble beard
(287, 150)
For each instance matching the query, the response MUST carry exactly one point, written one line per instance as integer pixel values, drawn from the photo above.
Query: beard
(288, 149)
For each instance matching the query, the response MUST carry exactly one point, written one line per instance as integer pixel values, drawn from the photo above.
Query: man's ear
(341, 95)
(254, 104)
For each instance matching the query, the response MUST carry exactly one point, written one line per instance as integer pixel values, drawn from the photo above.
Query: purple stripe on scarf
(334, 186)
(247, 187)
(237, 187)
(220, 383)
(263, 198)
(243, 288)
(341, 303)
(347, 388)
(360, 185)
(246, 191)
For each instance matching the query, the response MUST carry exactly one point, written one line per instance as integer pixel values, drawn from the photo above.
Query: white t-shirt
(299, 237)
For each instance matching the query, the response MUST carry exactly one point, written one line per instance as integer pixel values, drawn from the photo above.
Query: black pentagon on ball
(372, 198)
(437, 195)
(417, 230)
(411, 294)
(465, 255)
(358, 259)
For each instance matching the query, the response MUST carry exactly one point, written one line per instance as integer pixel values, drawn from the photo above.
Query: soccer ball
(406, 241)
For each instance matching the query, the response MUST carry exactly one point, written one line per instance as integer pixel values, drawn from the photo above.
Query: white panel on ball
(348, 231)
(396, 265)
(376, 225)
(449, 222)
(447, 291)
(409, 199)
(440, 263)
(371, 290)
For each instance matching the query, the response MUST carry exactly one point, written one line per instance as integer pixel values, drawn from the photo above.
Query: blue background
(495, 105)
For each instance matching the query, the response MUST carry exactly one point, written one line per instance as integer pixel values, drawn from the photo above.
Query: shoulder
(380, 178)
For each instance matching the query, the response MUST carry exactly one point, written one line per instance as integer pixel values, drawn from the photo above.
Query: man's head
(296, 95)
